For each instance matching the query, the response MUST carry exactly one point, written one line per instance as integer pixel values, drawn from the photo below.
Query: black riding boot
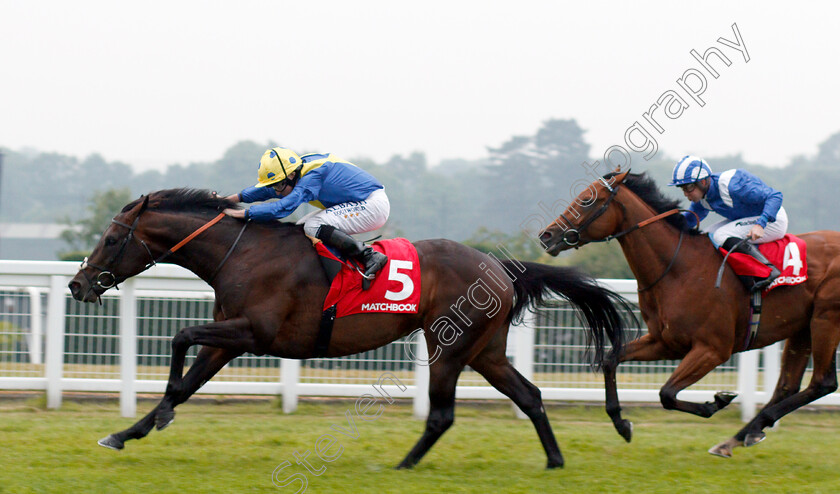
(750, 249)
(352, 248)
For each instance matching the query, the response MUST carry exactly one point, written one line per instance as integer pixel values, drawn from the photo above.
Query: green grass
(235, 447)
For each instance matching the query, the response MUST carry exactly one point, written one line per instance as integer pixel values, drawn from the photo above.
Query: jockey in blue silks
(751, 208)
(349, 200)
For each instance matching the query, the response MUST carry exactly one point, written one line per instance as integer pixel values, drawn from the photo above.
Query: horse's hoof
(111, 442)
(554, 464)
(723, 450)
(625, 429)
(753, 439)
(404, 466)
(723, 398)
(163, 419)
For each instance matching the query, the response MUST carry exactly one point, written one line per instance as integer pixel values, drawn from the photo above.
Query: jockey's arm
(750, 189)
(305, 190)
(699, 210)
(250, 194)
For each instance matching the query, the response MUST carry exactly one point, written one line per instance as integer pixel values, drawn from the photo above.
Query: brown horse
(271, 288)
(689, 319)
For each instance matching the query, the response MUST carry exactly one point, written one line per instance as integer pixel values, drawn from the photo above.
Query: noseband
(106, 278)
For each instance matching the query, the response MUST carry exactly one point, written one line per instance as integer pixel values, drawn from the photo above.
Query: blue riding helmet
(690, 169)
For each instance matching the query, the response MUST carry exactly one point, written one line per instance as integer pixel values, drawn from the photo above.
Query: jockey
(751, 208)
(349, 199)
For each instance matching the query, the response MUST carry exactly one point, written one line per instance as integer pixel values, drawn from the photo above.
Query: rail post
(747, 383)
(290, 374)
(772, 368)
(523, 357)
(421, 378)
(36, 327)
(128, 349)
(55, 340)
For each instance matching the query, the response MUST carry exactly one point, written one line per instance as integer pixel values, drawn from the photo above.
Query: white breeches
(351, 217)
(722, 230)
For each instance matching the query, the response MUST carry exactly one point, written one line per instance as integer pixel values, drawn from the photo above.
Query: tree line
(484, 203)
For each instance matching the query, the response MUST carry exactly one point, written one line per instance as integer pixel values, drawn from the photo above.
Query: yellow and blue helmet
(276, 165)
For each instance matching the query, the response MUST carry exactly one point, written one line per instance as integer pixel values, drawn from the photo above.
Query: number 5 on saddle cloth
(396, 288)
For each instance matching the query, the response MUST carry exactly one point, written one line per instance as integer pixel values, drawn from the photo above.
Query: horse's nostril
(545, 237)
(75, 288)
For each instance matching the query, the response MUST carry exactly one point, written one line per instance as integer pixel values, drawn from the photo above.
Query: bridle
(108, 279)
(571, 237)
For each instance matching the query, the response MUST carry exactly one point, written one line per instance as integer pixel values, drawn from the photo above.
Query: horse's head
(119, 255)
(592, 216)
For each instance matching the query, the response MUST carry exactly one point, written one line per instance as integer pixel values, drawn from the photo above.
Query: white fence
(50, 342)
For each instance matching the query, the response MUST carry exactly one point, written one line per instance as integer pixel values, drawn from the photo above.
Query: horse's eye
(110, 241)
(586, 201)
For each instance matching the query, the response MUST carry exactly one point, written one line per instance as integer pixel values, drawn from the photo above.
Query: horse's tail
(601, 307)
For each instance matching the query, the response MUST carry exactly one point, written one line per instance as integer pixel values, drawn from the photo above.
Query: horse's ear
(145, 204)
(619, 177)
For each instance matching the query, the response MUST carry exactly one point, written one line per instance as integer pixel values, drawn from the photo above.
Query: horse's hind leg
(208, 362)
(824, 340)
(442, 380)
(496, 368)
(795, 358)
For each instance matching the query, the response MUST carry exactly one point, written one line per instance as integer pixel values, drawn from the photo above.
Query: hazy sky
(155, 83)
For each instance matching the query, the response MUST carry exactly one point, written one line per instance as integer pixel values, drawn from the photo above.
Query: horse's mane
(187, 200)
(645, 187)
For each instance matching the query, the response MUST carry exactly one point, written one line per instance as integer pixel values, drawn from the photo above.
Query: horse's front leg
(208, 362)
(645, 348)
(699, 361)
(233, 334)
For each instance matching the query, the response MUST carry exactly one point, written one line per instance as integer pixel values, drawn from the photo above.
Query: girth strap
(325, 332)
(755, 318)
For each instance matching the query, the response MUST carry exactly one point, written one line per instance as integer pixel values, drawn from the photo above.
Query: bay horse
(269, 296)
(689, 319)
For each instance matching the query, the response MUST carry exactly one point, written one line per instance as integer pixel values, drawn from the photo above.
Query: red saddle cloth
(787, 253)
(396, 288)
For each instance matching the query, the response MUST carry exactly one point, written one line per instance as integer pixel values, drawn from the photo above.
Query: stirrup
(367, 280)
(364, 276)
(761, 285)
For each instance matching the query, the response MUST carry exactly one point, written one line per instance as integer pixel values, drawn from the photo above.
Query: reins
(188, 239)
(667, 269)
(229, 252)
(643, 224)
(640, 224)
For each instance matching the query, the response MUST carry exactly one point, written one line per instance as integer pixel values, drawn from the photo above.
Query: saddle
(788, 254)
(395, 289)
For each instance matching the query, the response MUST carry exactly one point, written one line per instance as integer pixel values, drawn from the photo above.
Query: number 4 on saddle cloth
(787, 253)
(395, 289)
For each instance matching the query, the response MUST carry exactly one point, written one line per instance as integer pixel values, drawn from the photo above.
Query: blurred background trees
(480, 202)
